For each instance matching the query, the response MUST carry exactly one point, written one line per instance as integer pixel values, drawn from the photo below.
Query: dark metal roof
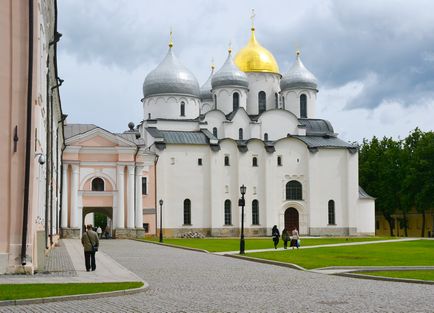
(317, 127)
(325, 142)
(363, 194)
(179, 137)
(71, 130)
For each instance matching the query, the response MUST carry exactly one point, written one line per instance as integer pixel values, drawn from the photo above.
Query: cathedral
(249, 125)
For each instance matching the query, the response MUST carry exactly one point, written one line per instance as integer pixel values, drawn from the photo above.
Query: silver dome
(170, 77)
(205, 90)
(229, 75)
(298, 76)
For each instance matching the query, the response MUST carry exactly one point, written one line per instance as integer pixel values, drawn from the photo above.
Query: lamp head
(161, 201)
(243, 189)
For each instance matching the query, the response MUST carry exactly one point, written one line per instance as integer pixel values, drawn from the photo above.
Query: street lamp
(161, 220)
(242, 203)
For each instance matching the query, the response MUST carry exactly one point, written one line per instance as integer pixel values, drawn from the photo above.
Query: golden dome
(255, 58)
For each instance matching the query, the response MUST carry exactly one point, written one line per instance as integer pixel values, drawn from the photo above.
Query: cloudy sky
(374, 59)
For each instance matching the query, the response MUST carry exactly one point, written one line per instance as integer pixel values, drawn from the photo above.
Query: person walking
(285, 238)
(275, 235)
(90, 243)
(99, 232)
(295, 239)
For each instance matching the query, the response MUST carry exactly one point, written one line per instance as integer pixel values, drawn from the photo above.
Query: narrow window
(255, 212)
(149, 116)
(332, 212)
(262, 102)
(283, 102)
(36, 139)
(227, 160)
(214, 131)
(266, 137)
(240, 134)
(228, 213)
(199, 162)
(144, 185)
(187, 212)
(276, 100)
(182, 108)
(215, 102)
(235, 101)
(279, 161)
(97, 184)
(255, 161)
(303, 106)
(293, 190)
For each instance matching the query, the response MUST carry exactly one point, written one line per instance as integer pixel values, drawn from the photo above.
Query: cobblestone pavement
(187, 281)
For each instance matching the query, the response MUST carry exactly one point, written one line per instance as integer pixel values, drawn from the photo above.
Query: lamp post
(242, 203)
(161, 220)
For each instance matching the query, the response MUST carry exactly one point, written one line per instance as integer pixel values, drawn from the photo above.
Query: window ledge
(187, 224)
(331, 224)
(228, 225)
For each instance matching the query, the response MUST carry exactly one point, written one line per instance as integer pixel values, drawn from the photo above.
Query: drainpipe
(28, 138)
(155, 194)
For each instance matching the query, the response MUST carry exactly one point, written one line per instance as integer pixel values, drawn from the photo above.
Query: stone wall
(333, 231)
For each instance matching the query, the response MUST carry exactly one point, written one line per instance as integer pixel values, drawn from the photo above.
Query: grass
(30, 291)
(422, 275)
(233, 244)
(407, 253)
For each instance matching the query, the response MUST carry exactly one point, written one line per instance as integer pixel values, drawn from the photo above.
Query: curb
(383, 278)
(270, 262)
(86, 296)
(173, 246)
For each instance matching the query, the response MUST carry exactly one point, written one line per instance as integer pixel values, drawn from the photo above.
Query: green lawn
(30, 291)
(422, 275)
(409, 253)
(233, 244)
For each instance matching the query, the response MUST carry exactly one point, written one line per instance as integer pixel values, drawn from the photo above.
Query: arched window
(215, 102)
(262, 102)
(332, 212)
(279, 161)
(214, 132)
(228, 213)
(240, 134)
(303, 106)
(283, 102)
(255, 212)
(97, 184)
(227, 160)
(235, 101)
(266, 137)
(255, 161)
(276, 100)
(182, 108)
(293, 190)
(187, 212)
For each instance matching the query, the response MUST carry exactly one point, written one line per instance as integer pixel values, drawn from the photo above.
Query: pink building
(31, 136)
(109, 174)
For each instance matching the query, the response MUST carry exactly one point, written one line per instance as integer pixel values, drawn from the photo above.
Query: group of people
(294, 238)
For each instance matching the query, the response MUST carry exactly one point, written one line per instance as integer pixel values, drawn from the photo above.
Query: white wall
(292, 101)
(168, 106)
(267, 82)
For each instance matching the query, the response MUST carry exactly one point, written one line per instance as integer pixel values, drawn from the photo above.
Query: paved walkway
(65, 264)
(321, 246)
(188, 281)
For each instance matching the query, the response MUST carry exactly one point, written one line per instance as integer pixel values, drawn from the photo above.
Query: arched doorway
(102, 217)
(291, 219)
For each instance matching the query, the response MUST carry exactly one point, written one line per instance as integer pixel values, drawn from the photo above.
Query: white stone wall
(292, 101)
(267, 82)
(225, 98)
(168, 106)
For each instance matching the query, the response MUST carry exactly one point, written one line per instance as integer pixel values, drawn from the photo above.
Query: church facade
(249, 125)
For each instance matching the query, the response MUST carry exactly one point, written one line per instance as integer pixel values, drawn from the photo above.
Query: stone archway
(292, 219)
(107, 211)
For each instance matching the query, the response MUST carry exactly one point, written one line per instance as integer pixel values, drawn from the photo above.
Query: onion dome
(170, 77)
(255, 58)
(205, 90)
(298, 76)
(229, 75)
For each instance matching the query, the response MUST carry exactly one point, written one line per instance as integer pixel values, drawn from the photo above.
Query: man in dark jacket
(90, 243)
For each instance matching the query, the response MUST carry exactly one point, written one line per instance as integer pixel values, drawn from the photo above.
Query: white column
(120, 216)
(130, 197)
(74, 196)
(65, 196)
(139, 198)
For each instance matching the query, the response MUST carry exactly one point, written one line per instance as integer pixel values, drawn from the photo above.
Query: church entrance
(99, 217)
(291, 219)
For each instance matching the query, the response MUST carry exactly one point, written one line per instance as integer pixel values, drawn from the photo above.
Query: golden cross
(170, 40)
(252, 17)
